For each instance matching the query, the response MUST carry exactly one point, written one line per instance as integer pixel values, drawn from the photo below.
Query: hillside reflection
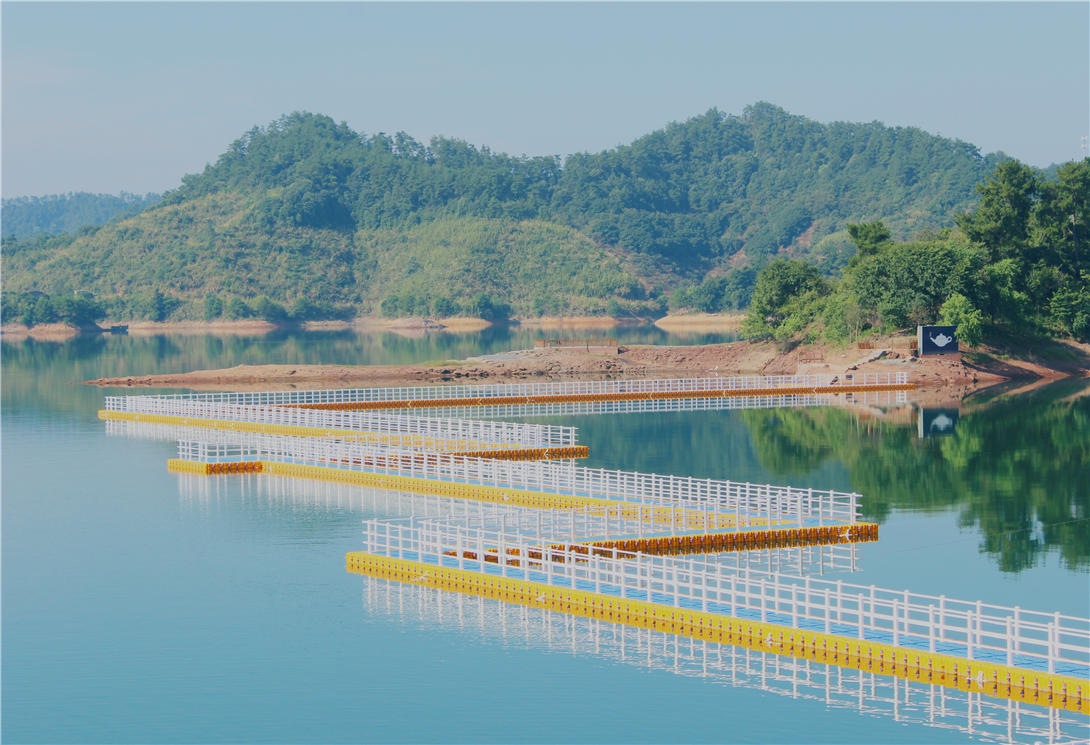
(1016, 469)
(34, 371)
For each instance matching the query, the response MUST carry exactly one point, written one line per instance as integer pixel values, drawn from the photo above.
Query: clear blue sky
(130, 96)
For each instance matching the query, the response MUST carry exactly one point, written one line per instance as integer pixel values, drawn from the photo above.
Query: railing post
(931, 627)
(969, 633)
(1054, 643)
(1010, 644)
(764, 609)
(1017, 630)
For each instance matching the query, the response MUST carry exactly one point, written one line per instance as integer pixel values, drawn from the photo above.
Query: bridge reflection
(968, 713)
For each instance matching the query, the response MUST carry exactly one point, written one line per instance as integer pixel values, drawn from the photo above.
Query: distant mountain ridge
(29, 217)
(306, 208)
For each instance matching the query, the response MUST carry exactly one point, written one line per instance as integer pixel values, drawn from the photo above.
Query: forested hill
(29, 217)
(306, 209)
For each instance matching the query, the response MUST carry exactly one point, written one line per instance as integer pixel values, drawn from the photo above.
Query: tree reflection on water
(1018, 469)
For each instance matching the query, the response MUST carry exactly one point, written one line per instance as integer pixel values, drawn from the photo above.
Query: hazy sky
(130, 96)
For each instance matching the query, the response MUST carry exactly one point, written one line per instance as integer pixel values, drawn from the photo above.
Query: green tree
(969, 322)
(213, 307)
(1070, 308)
(869, 236)
(1001, 221)
(302, 309)
(482, 305)
(904, 284)
(1062, 221)
(156, 305)
(78, 311)
(443, 307)
(268, 310)
(37, 308)
(236, 309)
(390, 306)
(786, 298)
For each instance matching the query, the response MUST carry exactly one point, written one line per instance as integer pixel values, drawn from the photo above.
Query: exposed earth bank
(949, 374)
(680, 324)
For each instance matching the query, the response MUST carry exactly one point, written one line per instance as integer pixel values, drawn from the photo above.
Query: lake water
(139, 606)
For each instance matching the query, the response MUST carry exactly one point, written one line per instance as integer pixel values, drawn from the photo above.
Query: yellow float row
(680, 518)
(502, 452)
(477, 492)
(1000, 681)
(554, 398)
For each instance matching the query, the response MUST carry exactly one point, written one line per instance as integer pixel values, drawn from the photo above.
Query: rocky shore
(950, 374)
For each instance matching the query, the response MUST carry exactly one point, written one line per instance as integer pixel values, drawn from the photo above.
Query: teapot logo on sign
(936, 340)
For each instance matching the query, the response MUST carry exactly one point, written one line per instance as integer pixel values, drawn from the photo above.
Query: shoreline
(681, 324)
(701, 323)
(938, 379)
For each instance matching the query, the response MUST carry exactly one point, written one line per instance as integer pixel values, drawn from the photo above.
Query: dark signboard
(933, 422)
(936, 340)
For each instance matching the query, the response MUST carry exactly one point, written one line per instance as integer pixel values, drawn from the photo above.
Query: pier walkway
(496, 438)
(696, 505)
(1041, 658)
(963, 714)
(443, 396)
(620, 546)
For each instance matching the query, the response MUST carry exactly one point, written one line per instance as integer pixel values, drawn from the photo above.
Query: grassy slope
(518, 261)
(212, 244)
(206, 244)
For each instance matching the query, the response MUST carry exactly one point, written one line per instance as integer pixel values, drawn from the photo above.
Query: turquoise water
(140, 607)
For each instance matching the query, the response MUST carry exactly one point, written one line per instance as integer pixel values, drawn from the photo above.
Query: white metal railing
(251, 441)
(763, 502)
(587, 525)
(464, 433)
(1051, 642)
(638, 406)
(967, 712)
(561, 388)
(622, 520)
(377, 502)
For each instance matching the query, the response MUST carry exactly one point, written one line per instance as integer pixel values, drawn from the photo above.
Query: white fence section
(971, 714)
(459, 432)
(975, 630)
(624, 520)
(389, 503)
(760, 502)
(645, 405)
(564, 388)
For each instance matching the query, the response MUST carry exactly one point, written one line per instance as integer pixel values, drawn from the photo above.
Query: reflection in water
(936, 422)
(35, 371)
(96, 502)
(982, 717)
(727, 403)
(1017, 468)
(262, 491)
